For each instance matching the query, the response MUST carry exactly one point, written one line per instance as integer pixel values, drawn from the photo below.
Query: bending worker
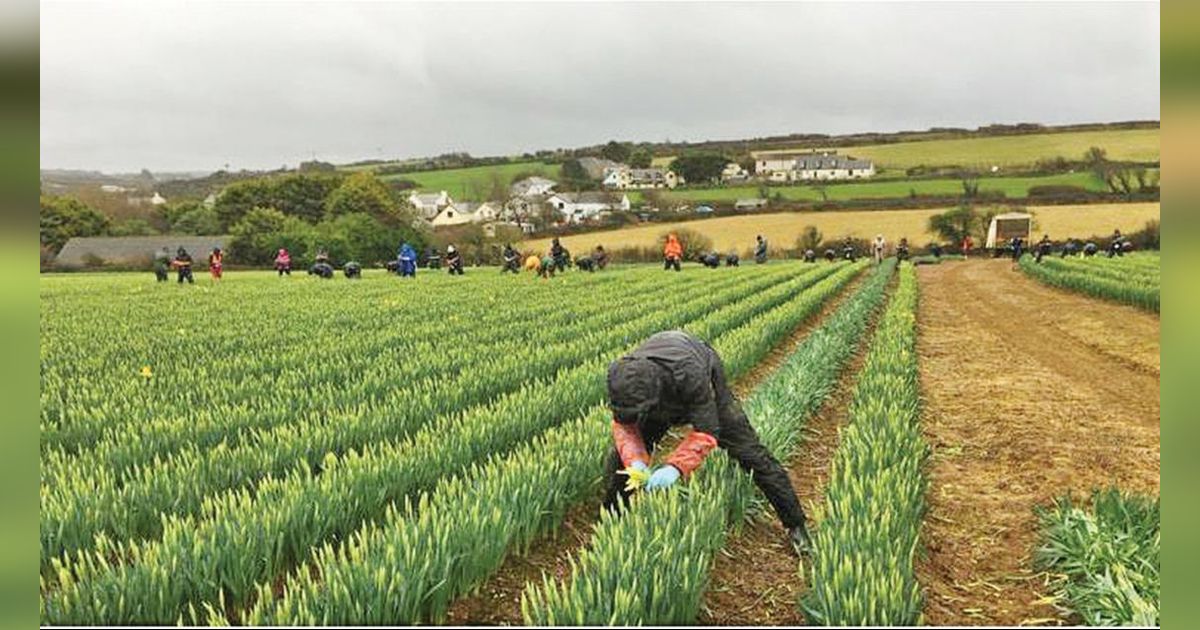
(674, 378)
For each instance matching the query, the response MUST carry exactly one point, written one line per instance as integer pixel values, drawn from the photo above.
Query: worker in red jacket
(674, 378)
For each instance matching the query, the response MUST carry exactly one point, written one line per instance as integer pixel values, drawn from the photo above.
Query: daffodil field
(295, 451)
(1132, 279)
(199, 443)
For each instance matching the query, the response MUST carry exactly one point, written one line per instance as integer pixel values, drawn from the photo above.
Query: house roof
(828, 161)
(127, 249)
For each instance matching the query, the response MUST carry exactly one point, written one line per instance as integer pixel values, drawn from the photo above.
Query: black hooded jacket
(671, 378)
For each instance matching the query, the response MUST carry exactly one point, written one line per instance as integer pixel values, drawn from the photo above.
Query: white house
(158, 199)
(454, 214)
(579, 207)
(428, 205)
(733, 172)
(463, 212)
(624, 178)
(533, 186)
(811, 165)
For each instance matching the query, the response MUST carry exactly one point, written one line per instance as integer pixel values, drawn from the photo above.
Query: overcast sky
(197, 85)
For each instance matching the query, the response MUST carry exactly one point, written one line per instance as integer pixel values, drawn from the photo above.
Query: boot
(801, 543)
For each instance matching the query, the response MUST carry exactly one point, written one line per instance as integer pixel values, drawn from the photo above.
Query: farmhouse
(428, 205)
(463, 212)
(132, 250)
(624, 178)
(811, 165)
(578, 207)
(533, 186)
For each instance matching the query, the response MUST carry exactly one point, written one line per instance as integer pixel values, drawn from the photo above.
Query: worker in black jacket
(674, 378)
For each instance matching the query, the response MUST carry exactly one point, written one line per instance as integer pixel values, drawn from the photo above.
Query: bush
(694, 243)
(198, 220)
(810, 238)
(133, 227)
(263, 231)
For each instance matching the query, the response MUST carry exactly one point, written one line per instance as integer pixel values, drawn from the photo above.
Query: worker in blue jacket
(408, 261)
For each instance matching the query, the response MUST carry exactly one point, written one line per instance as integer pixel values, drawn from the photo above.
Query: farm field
(1132, 279)
(1013, 187)
(782, 228)
(1057, 378)
(382, 457)
(1140, 145)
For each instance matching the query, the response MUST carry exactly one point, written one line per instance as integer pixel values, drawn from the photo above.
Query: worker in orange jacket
(672, 252)
(674, 378)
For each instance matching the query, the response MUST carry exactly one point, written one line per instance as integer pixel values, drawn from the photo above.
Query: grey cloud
(193, 85)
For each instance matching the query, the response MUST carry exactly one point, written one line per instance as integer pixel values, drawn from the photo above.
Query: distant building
(584, 206)
(533, 186)
(811, 165)
(428, 205)
(624, 178)
(132, 250)
(158, 199)
(463, 212)
(113, 188)
(733, 172)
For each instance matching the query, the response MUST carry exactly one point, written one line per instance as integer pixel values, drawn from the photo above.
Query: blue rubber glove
(640, 466)
(664, 477)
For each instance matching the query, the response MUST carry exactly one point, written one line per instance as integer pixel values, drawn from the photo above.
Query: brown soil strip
(1030, 393)
(498, 601)
(768, 594)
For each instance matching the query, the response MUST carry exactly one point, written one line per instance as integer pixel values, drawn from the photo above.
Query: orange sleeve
(691, 451)
(631, 447)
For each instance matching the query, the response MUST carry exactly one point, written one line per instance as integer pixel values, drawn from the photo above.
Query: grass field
(470, 183)
(1141, 145)
(782, 228)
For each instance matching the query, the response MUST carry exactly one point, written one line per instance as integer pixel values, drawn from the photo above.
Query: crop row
(649, 564)
(1114, 268)
(1135, 290)
(409, 567)
(1104, 554)
(87, 405)
(281, 520)
(130, 506)
(864, 546)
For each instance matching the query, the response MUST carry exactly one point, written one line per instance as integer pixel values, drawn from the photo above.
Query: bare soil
(498, 601)
(767, 594)
(1030, 393)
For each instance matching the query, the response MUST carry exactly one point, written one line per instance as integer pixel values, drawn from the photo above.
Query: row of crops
(1131, 279)
(1104, 554)
(677, 533)
(157, 506)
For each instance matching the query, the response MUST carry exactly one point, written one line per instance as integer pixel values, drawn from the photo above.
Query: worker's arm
(702, 439)
(629, 443)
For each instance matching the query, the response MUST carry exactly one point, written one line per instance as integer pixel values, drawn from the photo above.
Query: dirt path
(1030, 392)
(498, 601)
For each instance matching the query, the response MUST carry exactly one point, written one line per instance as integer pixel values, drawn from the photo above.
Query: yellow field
(737, 233)
(1122, 144)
